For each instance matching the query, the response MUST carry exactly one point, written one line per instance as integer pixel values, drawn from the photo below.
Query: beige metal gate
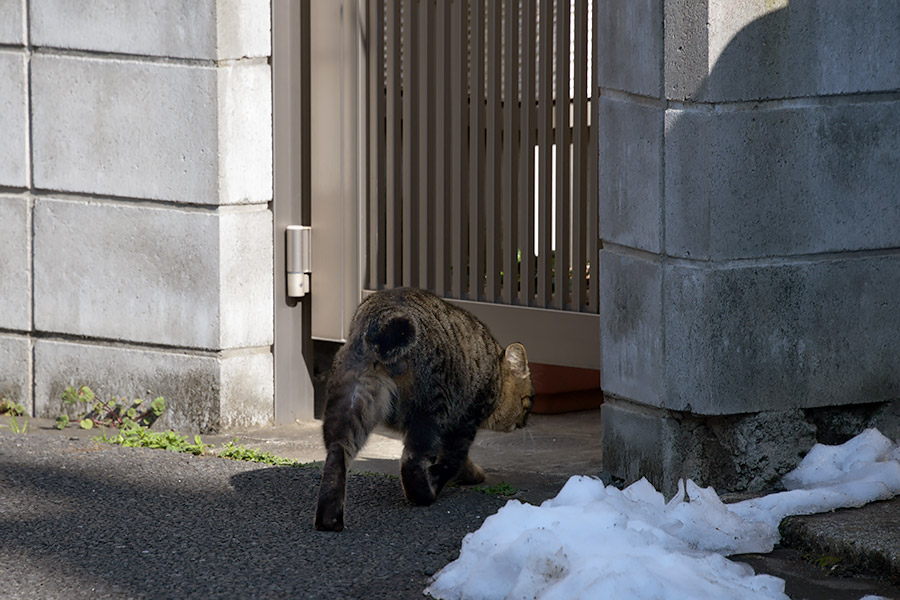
(480, 163)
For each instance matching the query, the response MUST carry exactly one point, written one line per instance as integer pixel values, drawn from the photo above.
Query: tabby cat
(429, 370)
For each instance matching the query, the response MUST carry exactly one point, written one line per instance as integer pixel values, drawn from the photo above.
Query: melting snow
(592, 541)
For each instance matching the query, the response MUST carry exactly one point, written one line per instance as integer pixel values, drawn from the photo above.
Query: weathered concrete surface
(732, 453)
(195, 279)
(15, 266)
(781, 180)
(862, 538)
(14, 163)
(12, 22)
(125, 128)
(729, 338)
(749, 258)
(196, 29)
(204, 392)
(631, 46)
(136, 242)
(716, 50)
(781, 48)
(16, 370)
(630, 173)
(764, 336)
(161, 131)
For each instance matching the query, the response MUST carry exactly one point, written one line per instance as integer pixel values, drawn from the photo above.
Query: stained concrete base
(746, 452)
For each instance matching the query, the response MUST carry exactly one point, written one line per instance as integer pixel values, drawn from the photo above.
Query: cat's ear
(515, 358)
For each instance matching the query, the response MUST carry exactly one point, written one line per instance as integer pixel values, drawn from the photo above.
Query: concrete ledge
(15, 265)
(16, 370)
(13, 119)
(203, 392)
(782, 180)
(868, 541)
(12, 22)
(196, 29)
(191, 279)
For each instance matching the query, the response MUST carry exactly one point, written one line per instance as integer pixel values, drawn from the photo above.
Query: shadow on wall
(798, 157)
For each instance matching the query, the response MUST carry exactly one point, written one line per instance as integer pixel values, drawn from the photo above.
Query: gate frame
(292, 348)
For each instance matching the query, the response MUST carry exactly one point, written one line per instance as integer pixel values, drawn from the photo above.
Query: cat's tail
(391, 337)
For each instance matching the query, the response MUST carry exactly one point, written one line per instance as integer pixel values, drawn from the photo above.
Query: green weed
(10, 408)
(500, 489)
(135, 435)
(116, 412)
(14, 410)
(232, 451)
(131, 423)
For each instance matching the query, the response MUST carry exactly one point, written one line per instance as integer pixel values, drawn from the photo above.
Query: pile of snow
(592, 541)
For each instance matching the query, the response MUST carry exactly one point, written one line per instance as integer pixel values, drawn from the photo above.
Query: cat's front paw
(329, 516)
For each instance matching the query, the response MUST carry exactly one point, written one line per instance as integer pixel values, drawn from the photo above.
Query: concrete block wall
(749, 164)
(135, 222)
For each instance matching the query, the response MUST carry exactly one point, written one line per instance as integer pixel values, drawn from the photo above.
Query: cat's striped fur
(429, 370)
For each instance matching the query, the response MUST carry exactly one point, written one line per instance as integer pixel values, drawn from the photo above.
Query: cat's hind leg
(454, 462)
(351, 413)
(420, 453)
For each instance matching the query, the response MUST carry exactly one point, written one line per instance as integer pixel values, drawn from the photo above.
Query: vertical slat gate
(545, 152)
(526, 156)
(477, 157)
(393, 156)
(376, 217)
(482, 150)
(410, 142)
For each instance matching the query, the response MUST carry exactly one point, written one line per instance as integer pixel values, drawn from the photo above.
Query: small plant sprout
(14, 410)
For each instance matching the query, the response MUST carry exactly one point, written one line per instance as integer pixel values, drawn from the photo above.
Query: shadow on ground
(81, 520)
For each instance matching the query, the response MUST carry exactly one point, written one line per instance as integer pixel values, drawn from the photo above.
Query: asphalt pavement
(82, 519)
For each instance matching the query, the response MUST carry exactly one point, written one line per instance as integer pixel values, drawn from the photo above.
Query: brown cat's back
(430, 370)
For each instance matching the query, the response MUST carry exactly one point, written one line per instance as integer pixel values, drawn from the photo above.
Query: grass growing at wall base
(131, 420)
(14, 410)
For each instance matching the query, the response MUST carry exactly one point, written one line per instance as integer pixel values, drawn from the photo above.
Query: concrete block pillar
(749, 167)
(136, 249)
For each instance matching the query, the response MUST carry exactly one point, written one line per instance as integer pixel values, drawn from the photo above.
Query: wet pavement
(82, 519)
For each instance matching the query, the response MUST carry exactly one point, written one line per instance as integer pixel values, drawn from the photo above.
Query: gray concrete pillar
(749, 165)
